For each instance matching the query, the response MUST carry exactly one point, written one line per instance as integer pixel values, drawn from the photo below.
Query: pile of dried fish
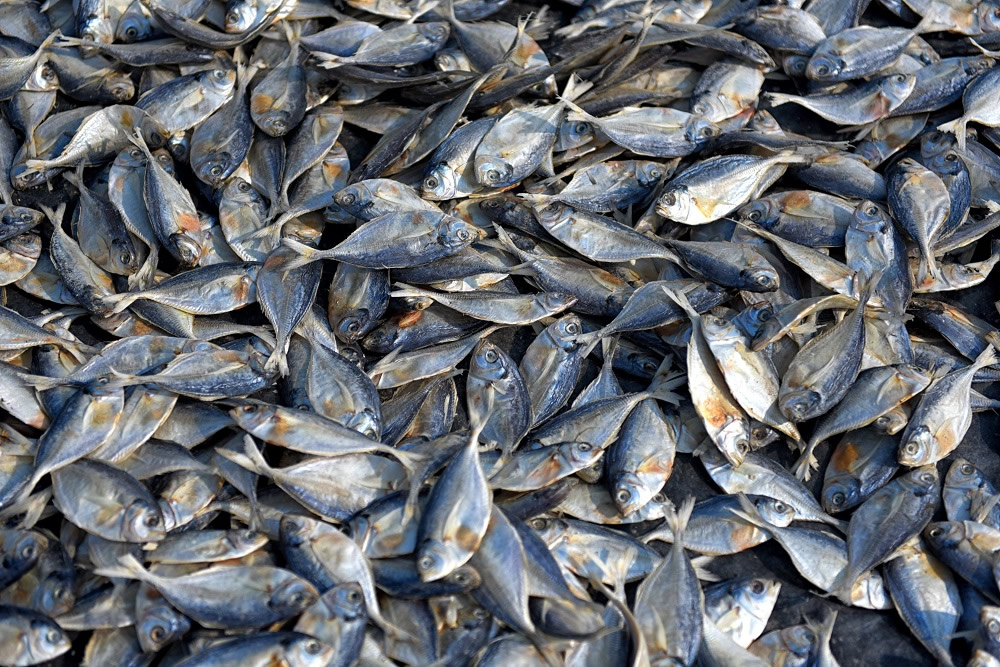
(372, 333)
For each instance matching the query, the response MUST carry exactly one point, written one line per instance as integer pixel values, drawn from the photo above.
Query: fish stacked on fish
(397, 332)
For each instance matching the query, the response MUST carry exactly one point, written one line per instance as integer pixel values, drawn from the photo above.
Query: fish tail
(307, 254)
(699, 565)
(120, 302)
(822, 627)
(575, 87)
(42, 382)
(128, 567)
(677, 519)
(807, 462)
(777, 99)
(678, 297)
(253, 453)
(987, 357)
(588, 342)
(402, 290)
(661, 389)
(956, 127)
(536, 200)
(277, 360)
(32, 166)
(749, 513)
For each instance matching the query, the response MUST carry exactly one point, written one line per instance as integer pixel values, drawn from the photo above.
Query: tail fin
(677, 520)
(120, 302)
(777, 99)
(956, 127)
(307, 254)
(662, 387)
(128, 568)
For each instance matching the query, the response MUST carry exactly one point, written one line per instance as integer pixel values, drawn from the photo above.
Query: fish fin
(807, 462)
(982, 49)
(588, 341)
(777, 99)
(575, 87)
(277, 360)
(122, 301)
(536, 200)
(699, 563)
(678, 297)
(749, 513)
(402, 289)
(661, 391)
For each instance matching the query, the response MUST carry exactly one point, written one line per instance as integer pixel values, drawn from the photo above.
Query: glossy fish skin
(926, 597)
(260, 648)
(639, 463)
(969, 549)
(285, 294)
(862, 104)
(862, 463)
(450, 531)
(493, 306)
(815, 380)
(872, 244)
(551, 367)
(497, 398)
(811, 218)
(962, 483)
(222, 289)
(21, 550)
(30, 637)
(188, 100)
(922, 221)
(278, 101)
(222, 141)
(338, 618)
(741, 607)
(888, 519)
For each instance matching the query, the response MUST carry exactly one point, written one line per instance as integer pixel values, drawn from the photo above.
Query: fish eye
(460, 578)
(481, 613)
(430, 183)
(157, 633)
(622, 496)
(993, 626)
(899, 78)
(425, 563)
(297, 598)
(572, 328)
(759, 433)
(809, 636)
(580, 128)
(491, 356)
(125, 258)
(927, 478)
(838, 499)
(654, 173)
(538, 524)
(313, 647)
(348, 199)
(822, 70)
(215, 171)
(354, 327)
(584, 446)
(967, 469)
(742, 447)
(48, 73)
(152, 521)
(936, 532)
(493, 175)
(219, 74)
(950, 157)
(490, 203)
(53, 636)
(25, 217)
(780, 506)
(872, 210)
(762, 280)
(911, 448)
(131, 32)
(353, 596)
(28, 551)
(757, 587)
(659, 498)
(463, 235)
(249, 409)
(754, 216)
(670, 199)
(135, 152)
(707, 131)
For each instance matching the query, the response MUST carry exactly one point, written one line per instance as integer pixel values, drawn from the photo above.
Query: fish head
(43, 78)
(799, 405)
(593, 473)
(216, 169)
(918, 447)
(20, 550)
(760, 279)
(573, 134)
(242, 540)
(455, 233)
(384, 338)
(761, 435)
(775, 512)
(757, 596)
(123, 256)
(629, 493)
(870, 592)
(54, 594)
(143, 522)
(755, 316)
(118, 86)
(675, 203)
(22, 179)
(556, 302)
(989, 623)
(699, 129)
(152, 132)
(353, 324)
(19, 217)
(551, 531)
(897, 87)
(344, 601)
(165, 160)
(134, 25)
(179, 145)
(240, 15)
(949, 162)
(565, 330)
(935, 142)
(649, 173)
(493, 172)
(452, 60)
(97, 29)
(718, 328)
(293, 595)
(307, 651)
(489, 363)
(239, 190)
(252, 416)
(188, 250)
(733, 440)
(159, 626)
(435, 32)
(922, 481)
(943, 535)
(365, 423)
(275, 122)
(434, 561)
(988, 14)
(840, 495)
(220, 80)
(794, 65)
(45, 640)
(354, 198)
(963, 475)
(824, 67)
(439, 183)
(466, 576)
(763, 212)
